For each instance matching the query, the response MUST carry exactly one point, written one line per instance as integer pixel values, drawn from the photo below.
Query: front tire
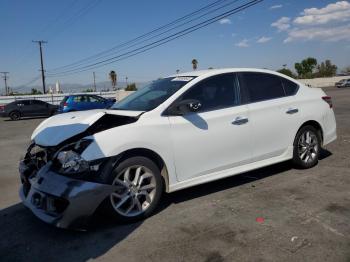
(15, 115)
(307, 146)
(139, 186)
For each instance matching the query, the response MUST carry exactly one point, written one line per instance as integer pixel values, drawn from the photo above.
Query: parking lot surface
(272, 214)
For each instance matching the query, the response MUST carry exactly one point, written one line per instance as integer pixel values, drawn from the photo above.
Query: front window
(152, 95)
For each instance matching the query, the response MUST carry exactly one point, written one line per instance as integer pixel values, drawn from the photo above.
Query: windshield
(152, 95)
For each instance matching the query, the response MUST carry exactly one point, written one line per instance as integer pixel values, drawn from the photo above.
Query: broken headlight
(70, 158)
(72, 162)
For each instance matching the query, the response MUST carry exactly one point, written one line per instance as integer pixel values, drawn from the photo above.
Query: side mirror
(185, 106)
(114, 100)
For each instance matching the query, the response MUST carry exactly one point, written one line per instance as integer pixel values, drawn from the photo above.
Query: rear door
(215, 138)
(80, 102)
(39, 108)
(273, 111)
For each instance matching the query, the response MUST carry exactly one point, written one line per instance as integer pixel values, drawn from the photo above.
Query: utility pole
(5, 79)
(93, 73)
(40, 42)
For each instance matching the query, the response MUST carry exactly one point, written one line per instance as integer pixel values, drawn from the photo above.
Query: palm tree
(194, 64)
(113, 78)
(177, 71)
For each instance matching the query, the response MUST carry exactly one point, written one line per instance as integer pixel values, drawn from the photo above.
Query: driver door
(217, 136)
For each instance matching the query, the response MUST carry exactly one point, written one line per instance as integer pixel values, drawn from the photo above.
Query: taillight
(2, 108)
(328, 100)
(65, 104)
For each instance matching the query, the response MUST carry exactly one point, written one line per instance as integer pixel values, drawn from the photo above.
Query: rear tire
(307, 147)
(140, 187)
(15, 115)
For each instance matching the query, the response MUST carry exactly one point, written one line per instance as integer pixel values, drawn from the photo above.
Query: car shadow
(25, 238)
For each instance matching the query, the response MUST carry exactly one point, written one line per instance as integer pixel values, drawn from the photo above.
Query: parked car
(84, 102)
(343, 83)
(177, 132)
(27, 108)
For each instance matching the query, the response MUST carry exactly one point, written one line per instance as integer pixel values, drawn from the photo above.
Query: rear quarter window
(290, 87)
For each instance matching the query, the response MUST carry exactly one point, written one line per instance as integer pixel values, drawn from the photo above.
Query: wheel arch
(15, 110)
(152, 155)
(314, 124)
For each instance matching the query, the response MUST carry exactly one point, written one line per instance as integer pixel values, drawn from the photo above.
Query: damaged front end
(59, 186)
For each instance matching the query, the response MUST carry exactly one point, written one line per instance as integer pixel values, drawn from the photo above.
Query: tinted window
(289, 87)
(214, 93)
(260, 86)
(37, 102)
(24, 102)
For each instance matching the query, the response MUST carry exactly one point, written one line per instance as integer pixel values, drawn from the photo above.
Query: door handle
(240, 120)
(292, 111)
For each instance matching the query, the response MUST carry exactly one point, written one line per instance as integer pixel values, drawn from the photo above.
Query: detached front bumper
(58, 200)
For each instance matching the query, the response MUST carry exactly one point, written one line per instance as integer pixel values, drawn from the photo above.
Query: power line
(40, 42)
(71, 19)
(161, 41)
(144, 35)
(4, 76)
(32, 81)
(75, 17)
(28, 48)
(157, 35)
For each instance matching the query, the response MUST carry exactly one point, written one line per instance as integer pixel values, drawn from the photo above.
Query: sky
(268, 35)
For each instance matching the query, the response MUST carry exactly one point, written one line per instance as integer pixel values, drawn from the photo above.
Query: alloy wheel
(136, 188)
(308, 146)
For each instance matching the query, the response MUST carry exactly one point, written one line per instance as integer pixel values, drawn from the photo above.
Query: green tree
(194, 64)
(113, 78)
(131, 87)
(35, 92)
(88, 90)
(306, 67)
(286, 72)
(326, 69)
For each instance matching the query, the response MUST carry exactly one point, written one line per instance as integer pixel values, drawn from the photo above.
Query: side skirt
(288, 154)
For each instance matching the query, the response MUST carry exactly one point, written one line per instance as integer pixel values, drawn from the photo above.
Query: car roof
(84, 95)
(212, 72)
(223, 70)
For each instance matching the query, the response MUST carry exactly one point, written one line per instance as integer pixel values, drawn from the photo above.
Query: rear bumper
(61, 201)
(329, 127)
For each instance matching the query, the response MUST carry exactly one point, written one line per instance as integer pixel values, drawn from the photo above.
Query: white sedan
(176, 132)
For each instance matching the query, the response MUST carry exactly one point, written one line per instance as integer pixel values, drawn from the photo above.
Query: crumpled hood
(59, 128)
